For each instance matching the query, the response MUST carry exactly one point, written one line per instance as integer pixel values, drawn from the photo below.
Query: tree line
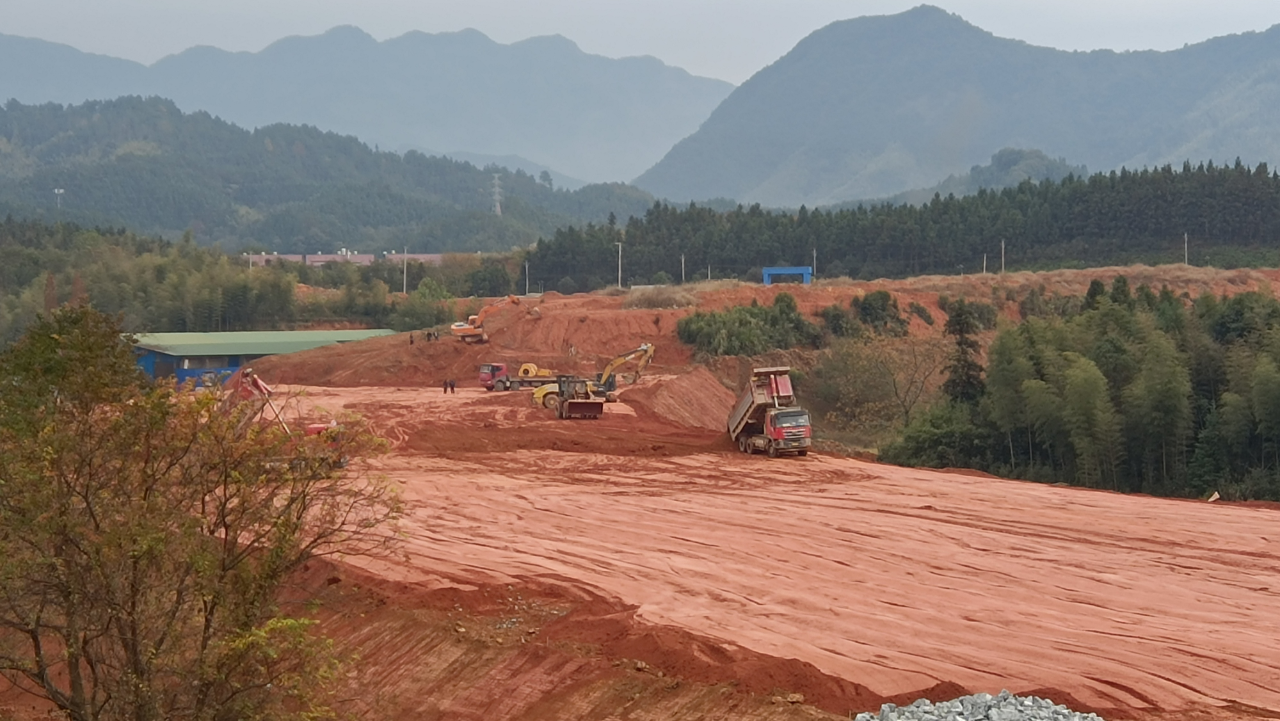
(157, 285)
(1229, 215)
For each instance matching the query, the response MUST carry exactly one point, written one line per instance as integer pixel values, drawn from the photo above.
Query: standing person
(453, 387)
(410, 337)
(445, 385)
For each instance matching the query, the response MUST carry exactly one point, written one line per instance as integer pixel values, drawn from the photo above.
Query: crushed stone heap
(980, 707)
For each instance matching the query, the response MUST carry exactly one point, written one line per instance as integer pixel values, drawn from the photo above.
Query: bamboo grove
(1135, 391)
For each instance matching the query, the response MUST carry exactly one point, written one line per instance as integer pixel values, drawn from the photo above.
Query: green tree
(964, 382)
(145, 533)
(491, 279)
(1092, 423)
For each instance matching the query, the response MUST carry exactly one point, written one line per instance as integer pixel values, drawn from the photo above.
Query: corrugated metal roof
(266, 342)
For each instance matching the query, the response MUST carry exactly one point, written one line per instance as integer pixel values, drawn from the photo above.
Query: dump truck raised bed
(768, 418)
(497, 376)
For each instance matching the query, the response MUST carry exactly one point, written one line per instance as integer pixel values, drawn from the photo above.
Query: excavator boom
(642, 356)
(472, 329)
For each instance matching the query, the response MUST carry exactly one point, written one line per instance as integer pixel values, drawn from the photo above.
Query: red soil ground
(636, 567)
(894, 580)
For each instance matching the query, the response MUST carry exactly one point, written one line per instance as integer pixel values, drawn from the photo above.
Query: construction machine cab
(574, 398)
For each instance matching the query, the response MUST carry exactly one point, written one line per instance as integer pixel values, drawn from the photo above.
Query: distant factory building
(209, 357)
(342, 256)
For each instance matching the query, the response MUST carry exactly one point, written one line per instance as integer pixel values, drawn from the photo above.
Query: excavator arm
(472, 329)
(641, 356)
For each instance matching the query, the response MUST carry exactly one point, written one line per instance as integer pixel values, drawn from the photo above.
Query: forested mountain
(1231, 215)
(869, 107)
(590, 117)
(1007, 169)
(146, 165)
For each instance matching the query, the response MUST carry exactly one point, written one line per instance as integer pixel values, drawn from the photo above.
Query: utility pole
(984, 263)
(814, 269)
(1002, 256)
(682, 269)
(1184, 250)
(406, 270)
(708, 271)
(619, 264)
(57, 194)
(526, 279)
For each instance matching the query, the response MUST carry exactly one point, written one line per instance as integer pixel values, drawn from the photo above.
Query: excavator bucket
(582, 408)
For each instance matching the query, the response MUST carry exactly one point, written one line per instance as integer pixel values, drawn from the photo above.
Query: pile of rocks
(980, 707)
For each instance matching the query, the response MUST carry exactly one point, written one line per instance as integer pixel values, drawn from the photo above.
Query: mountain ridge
(145, 164)
(543, 98)
(873, 106)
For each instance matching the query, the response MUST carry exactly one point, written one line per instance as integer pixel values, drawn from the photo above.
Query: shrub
(664, 297)
(661, 278)
(878, 310)
(839, 322)
(920, 312)
(749, 330)
(567, 286)
(985, 313)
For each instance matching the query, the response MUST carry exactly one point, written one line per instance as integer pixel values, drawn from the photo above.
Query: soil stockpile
(695, 399)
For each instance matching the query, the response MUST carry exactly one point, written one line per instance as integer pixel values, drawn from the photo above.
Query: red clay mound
(578, 334)
(695, 399)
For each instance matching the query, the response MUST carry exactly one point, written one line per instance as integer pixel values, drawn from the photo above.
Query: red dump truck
(768, 418)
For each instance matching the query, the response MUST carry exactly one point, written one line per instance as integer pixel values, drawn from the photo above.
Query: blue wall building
(210, 357)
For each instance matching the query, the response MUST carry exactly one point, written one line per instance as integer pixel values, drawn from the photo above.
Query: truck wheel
(550, 401)
(499, 385)
(773, 450)
(742, 444)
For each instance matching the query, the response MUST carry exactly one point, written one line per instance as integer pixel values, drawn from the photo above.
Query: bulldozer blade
(593, 408)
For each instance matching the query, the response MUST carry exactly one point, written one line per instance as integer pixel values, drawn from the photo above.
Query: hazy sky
(728, 39)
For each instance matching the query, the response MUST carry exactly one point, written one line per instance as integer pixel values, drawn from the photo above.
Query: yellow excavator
(472, 329)
(605, 384)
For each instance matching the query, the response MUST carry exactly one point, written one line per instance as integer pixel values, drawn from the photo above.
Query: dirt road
(888, 577)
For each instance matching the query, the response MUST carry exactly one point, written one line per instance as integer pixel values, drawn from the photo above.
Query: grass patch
(668, 296)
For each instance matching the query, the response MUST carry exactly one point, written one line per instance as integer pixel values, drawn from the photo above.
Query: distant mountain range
(144, 164)
(542, 99)
(873, 106)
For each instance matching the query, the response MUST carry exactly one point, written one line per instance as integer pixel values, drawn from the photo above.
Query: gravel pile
(980, 707)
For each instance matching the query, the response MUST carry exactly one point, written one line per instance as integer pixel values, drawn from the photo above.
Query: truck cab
(788, 430)
(768, 418)
(491, 372)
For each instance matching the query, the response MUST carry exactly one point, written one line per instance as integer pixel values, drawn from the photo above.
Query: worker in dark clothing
(453, 386)
(445, 385)
(410, 337)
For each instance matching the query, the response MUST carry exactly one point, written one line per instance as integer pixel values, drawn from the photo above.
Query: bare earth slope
(895, 579)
